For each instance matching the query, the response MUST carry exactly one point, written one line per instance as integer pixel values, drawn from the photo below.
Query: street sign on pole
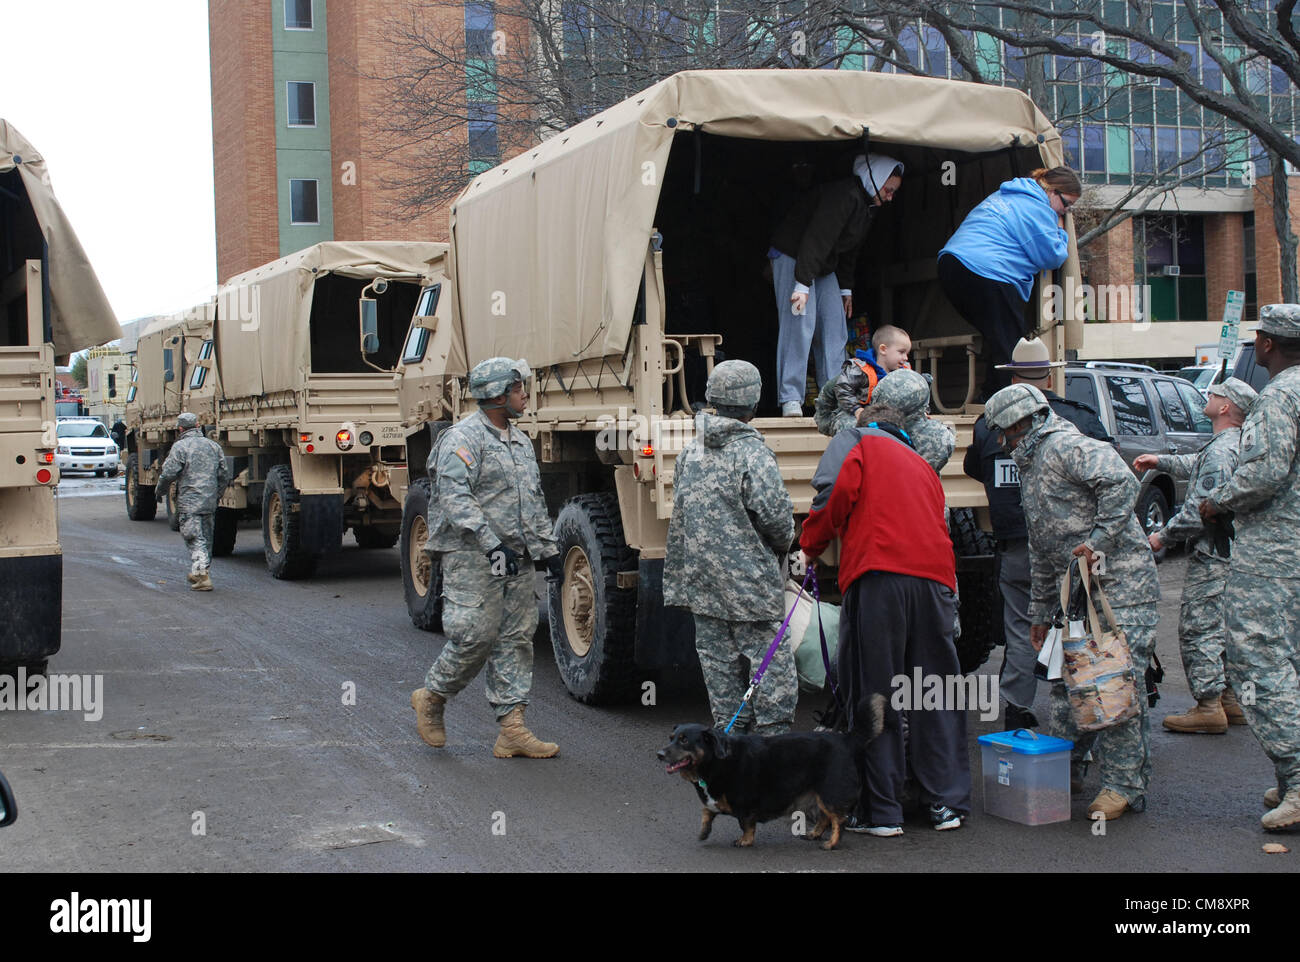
(1228, 335)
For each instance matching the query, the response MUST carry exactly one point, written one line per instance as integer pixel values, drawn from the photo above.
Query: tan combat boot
(1232, 707)
(1286, 814)
(1207, 718)
(192, 578)
(428, 707)
(1272, 798)
(1108, 803)
(202, 582)
(515, 739)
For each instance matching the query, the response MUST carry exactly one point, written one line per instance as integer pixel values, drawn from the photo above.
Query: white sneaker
(791, 409)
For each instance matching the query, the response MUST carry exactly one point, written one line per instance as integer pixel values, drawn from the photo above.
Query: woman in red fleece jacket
(898, 576)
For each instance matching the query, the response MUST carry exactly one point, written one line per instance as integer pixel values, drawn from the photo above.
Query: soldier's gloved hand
(554, 568)
(1222, 531)
(503, 560)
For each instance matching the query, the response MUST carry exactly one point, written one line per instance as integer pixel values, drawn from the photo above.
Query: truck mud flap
(32, 597)
(321, 522)
(665, 637)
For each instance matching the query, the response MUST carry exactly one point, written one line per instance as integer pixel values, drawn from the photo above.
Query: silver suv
(1147, 413)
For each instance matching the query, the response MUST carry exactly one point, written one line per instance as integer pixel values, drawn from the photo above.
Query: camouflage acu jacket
(202, 470)
(1076, 490)
(487, 491)
(732, 525)
(1204, 472)
(1264, 491)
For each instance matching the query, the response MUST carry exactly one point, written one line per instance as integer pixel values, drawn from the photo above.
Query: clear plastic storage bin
(1026, 776)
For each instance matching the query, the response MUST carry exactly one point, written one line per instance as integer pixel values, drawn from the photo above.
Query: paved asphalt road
(227, 709)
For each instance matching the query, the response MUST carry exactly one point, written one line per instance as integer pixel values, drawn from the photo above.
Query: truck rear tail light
(43, 476)
(304, 438)
(311, 448)
(366, 439)
(647, 451)
(343, 439)
(47, 457)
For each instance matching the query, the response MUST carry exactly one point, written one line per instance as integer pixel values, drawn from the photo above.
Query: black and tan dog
(756, 779)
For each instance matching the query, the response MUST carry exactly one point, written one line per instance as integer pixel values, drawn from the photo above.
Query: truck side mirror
(8, 807)
(168, 373)
(369, 326)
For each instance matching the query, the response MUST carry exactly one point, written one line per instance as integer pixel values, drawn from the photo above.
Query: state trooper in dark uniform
(988, 463)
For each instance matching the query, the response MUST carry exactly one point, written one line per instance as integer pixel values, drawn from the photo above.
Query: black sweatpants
(889, 625)
(994, 308)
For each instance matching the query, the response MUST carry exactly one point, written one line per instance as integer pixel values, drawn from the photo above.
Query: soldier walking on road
(1078, 497)
(731, 529)
(202, 472)
(1262, 598)
(1200, 619)
(488, 520)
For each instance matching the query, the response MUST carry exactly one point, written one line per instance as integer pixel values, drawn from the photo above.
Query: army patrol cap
(495, 376)
(734, 384)
(1237, 391)
(1014, 403)
(905, 391)
(1282, 320)
(187, 420)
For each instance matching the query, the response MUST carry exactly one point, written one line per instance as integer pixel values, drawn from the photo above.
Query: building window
(302, 202)
(301, 103)
(1251, 309)
(297, 15)
(483, 132)
(1174, 255)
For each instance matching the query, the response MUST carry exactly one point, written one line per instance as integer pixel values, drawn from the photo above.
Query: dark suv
(1147, 413)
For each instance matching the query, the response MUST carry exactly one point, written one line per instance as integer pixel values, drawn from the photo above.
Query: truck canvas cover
(550, 246)
(263, 334)
(80, 314)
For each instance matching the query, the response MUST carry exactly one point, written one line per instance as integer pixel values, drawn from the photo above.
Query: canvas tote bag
(1097, 667)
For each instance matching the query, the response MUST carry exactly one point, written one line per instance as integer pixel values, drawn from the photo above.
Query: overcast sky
(116, 96)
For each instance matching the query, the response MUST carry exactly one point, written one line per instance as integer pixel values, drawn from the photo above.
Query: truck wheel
(371, 537)
(225, 526)
(140, 503)
(286, 557)
(1152, 512)
(980, 597)
(169, 508)
(593, 621)
(421, 574)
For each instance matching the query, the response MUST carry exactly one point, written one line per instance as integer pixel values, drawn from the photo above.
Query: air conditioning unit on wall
(1171, 270)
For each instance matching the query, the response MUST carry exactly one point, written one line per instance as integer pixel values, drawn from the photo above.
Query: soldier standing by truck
(1262, 598)
(487, 520)
(199, 466)
(732, 525)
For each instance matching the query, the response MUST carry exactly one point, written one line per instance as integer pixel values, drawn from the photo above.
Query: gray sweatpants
(890, 625)
(822, 327)
(1017, 682)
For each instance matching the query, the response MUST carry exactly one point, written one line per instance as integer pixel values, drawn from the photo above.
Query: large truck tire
(225, 528)
(593, 621)
(169, 507)
(421, 574)
(372, 537)
(140, 503)
(1152, 512)
(287, 557)
(980, 597)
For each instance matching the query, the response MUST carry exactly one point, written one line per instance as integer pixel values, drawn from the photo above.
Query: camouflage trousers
(1263, 653)
(1123, 751)
(1201, 625)
(196, 529)
(730, 652)
(486, 619)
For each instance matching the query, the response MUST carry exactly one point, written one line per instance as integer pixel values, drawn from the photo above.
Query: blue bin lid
(1025, 742)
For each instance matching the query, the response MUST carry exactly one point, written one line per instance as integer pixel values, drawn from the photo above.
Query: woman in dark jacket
(988, 266)
(813, 253)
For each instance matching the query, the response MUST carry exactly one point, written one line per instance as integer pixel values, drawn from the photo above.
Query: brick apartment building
(293, 104)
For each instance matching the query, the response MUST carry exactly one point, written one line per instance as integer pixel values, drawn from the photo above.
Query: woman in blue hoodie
(988, 266)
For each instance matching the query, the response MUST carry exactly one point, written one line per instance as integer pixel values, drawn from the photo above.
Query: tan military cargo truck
(173, 373)
(624, 257)
(306, 351)
(51, 304)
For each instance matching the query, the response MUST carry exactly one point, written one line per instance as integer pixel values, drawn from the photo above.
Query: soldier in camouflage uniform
(200, 468)
(488, 520)
(1078, 497)
(909, 393)
(1262, 598)
(1200, 619)
(731, 528)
